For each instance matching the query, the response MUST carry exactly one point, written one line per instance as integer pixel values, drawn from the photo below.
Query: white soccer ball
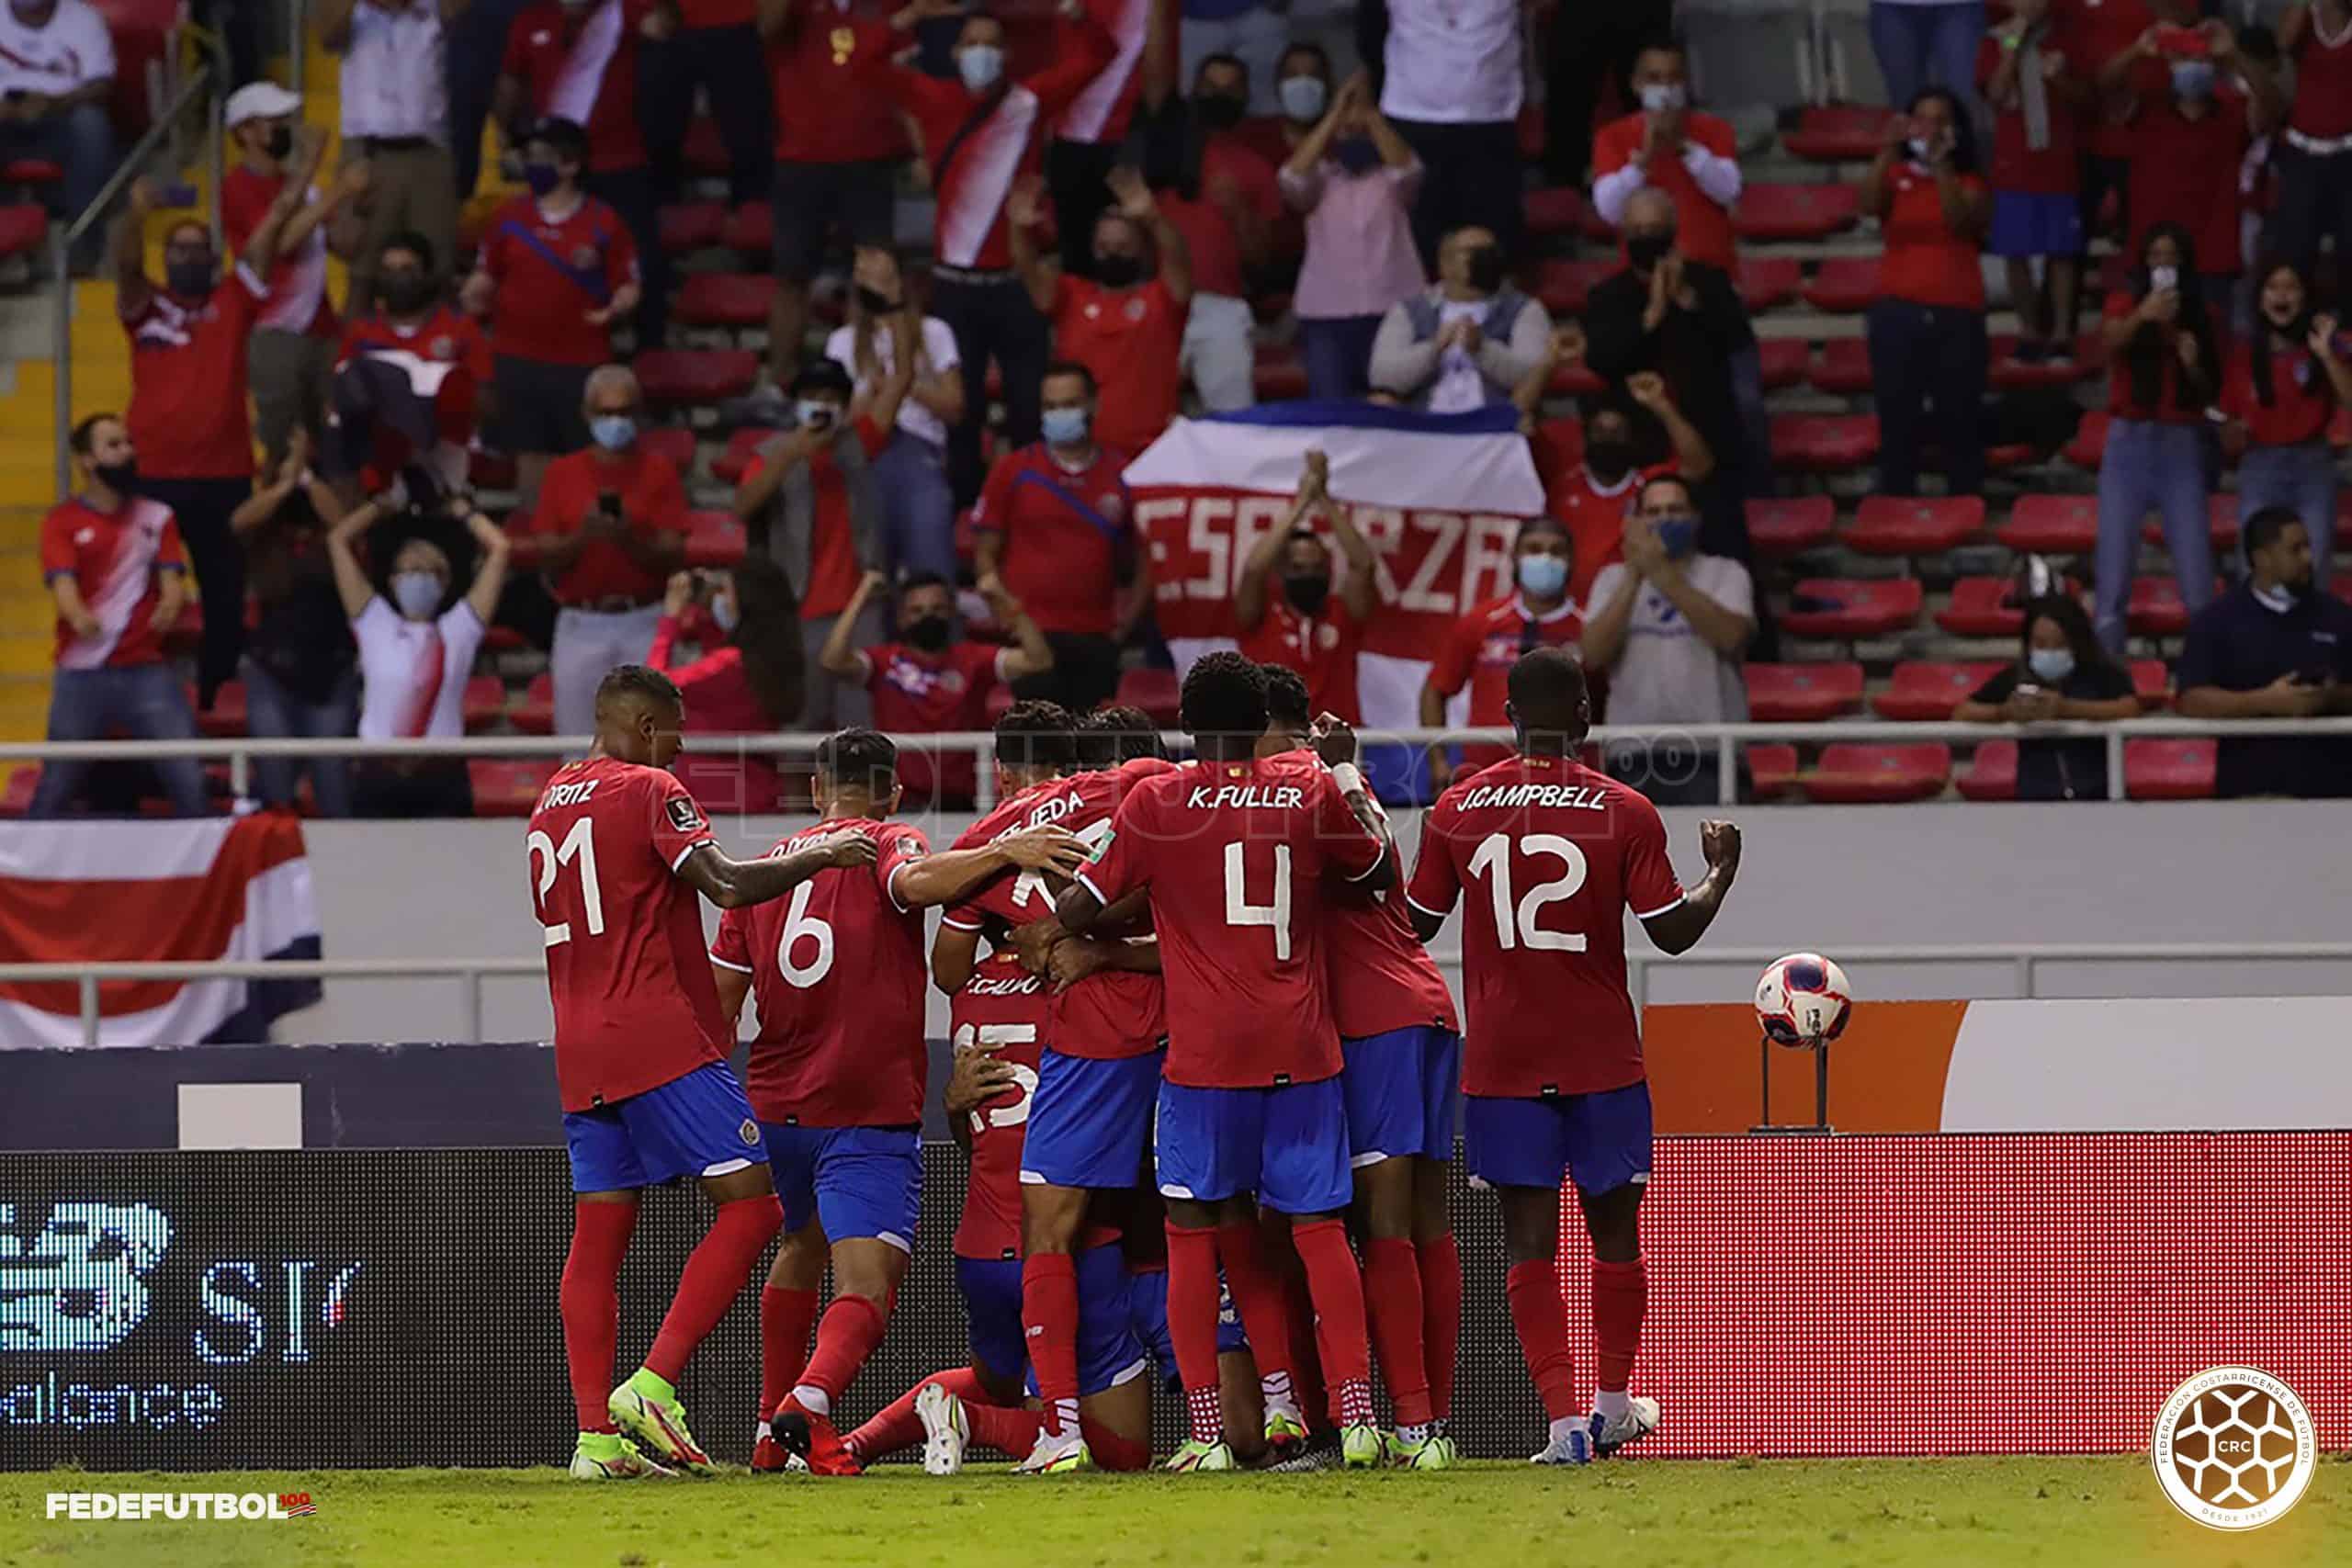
(1803, 1000)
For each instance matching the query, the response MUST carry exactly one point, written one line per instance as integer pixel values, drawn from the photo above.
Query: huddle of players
(1224, 952)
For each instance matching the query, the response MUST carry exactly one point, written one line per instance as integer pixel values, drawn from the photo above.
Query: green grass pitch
(1887, 1513)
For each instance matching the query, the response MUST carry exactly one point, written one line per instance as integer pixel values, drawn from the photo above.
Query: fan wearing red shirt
(1481, 648)
(2100, 30)
(1927, 347)
(1218, 191)
(1124, 324)
(2029, 71)
(444, 352)
(747, 678)
(2280, 390)
(2314, 175)
(836, 1077)
(1234, 853)
(1592, 495)
(618, 853)
(1691, 156)
(1562, 852)
(1311, 626)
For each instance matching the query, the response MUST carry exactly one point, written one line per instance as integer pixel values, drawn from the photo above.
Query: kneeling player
(1553, 1070)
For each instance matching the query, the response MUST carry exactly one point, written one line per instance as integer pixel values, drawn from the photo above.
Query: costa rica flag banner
(1439, 497)
(235, 889)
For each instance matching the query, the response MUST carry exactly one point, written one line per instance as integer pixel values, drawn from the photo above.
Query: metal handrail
(239, 754)
(214, 73)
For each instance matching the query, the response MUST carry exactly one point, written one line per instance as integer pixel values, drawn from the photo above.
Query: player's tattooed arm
(948, 876)
(1679, 929)
(734, 883)
(1335, 742)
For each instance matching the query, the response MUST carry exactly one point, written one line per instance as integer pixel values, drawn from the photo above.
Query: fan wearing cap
(292, 350)
(556, 269)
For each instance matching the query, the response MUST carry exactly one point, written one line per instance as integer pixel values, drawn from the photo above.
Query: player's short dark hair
(1542, 523)
(1547, 693)
(1288, 702)
(1036, 734)
(859, 758)
(1222, 58)
(567, 138)
(1225, 693)
(1121, 733)
(823, 376)
(1070, 368)
(86, 432)
(412, 240)
(640, 680)
(2261, 531)
(1307, 47)
(925, 579)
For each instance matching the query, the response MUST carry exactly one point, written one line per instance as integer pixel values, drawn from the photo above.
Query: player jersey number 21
(580, 844)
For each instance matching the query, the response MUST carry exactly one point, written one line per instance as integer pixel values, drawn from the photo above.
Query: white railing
(2028, 960)
(1726, 740)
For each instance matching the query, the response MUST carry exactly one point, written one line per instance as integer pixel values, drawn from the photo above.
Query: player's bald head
(638, 715)
(1548, 699)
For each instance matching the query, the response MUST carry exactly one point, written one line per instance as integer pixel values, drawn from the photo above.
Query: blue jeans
(917, 507)
(80, 142)
(2151, 466)
(1338, 351)
(141, 702)
(273, 713)
(1917, 45)
(2301, 478)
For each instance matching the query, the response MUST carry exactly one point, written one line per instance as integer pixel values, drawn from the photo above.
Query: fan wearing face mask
(443, 351)
(1481, 648)
(751, 676)
(2060, 672)
(931, 679)
(1620, 440)
(2276, 646)
(1667, 145)
(1303, 604)
(1356, 180)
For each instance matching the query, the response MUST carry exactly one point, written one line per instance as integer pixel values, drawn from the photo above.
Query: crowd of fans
(1114, 221)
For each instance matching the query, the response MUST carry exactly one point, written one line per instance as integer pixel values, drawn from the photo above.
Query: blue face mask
(2193, 78)
(722, 613)
(980, 65)
(2050, 664)
(613, 432)
(1303, 97)
(542, 177)
(1064, 427)
(1677, 536)
(1543, 576)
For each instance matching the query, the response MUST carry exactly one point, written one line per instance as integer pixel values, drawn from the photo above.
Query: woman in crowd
(2060, 672)
(752, 682)
(2163, 372)
(1354, 178)
(917, 507)
(2282, 387)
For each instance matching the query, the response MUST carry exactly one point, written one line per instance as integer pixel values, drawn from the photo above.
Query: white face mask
(2163, 277)
(418, 593)
(1660, 97)
(981, 64)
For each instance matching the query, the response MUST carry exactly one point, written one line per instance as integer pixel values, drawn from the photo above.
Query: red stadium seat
(1787, 526)
(1575, 381)
(2008, 455)
(24, 227)
(1563, 286)
(2150, 682)
(695, 375)
(2164, 768)
(691, 225)
(1843, 366)
(2220, 524)
(1803, 694)
(675, 441)
(1844, 609)
(507, 786)
(1982, 606)
(1855, 774)
(741, 447)
(1838, 133)
(1992, 773)
(1922, 691)
(714, 538)
(2051, 526)
(1281, 374)
(1783, 361)
(726, 299)
(1843, 284)
(504, 639)
(2007, 371)
(1915, 526)
(1772, 769)
(749, 229)
(2156, 608)
(1766, 281)
(227, 719)
(30, 171)
(1558, 210)
(2089, 443)
(1824, 444)
(1794, 211)
(485, 703)
(534, 715)
(1154, 691)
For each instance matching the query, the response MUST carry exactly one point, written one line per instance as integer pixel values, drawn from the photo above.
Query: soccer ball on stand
(1803, 1000)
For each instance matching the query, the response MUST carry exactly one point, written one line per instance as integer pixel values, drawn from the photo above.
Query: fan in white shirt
(414, 656)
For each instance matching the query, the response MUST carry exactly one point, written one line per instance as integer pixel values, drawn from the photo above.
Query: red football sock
(1340, 1336)
(715, 1273)
(1049, 1318)
(1392, 1300)
(1009, 1429)
(1441, 1269)
(1192, 1324)
(1306, 1365)
(786, 1318)
(847, 1334)
(1533, 1289)
(591, 1306)
(1257, 1295)
(1619, 1294)
(897, 1426)
(1111, 1450)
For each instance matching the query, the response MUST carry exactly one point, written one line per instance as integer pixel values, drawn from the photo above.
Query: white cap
(260, 100)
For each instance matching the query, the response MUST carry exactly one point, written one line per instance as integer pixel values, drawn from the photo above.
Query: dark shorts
(539, 405)
(811, 199)
(1600, 1140)
(1288, 1145)
(1402, 1088)
(859, 1181)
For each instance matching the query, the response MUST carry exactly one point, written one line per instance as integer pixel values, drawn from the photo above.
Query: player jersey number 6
(580, 844)
(1514, 926)
(799, 925)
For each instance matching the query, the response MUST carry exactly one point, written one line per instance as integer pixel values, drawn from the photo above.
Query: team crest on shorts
(750, 1132)
(685, 815)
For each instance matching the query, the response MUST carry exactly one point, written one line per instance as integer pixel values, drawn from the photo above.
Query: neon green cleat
(647, 1408)
(1197, 1455)
(1433, 1453)
(1285, 1432)
(1362, 1447)
(609, 1456)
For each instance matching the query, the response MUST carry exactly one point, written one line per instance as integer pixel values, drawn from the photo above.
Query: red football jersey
(550, 274)
(1323, 650)
(1563, 852)
(1002, 1010)
(1107, 1016)
(634, 1004)
(1235, 856)
(837, 970)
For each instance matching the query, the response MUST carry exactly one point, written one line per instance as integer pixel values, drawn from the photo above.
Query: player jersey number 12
(1513, 927)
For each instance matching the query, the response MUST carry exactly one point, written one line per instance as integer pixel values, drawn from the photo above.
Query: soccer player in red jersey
(837, 1077)
(1553, 1071)
(1233, 851)
(1402, 1047)
(617, 851)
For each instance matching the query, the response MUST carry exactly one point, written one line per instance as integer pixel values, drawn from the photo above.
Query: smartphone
(609, 502)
